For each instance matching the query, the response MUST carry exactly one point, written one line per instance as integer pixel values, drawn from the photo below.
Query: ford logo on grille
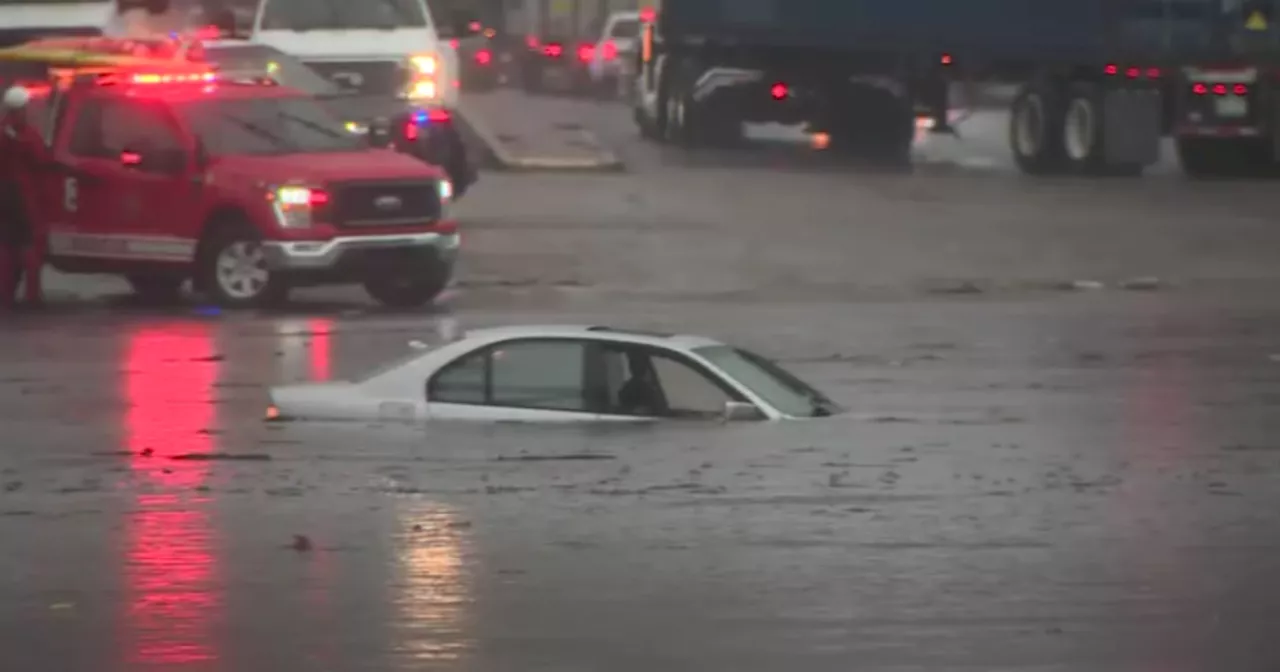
(388, 203)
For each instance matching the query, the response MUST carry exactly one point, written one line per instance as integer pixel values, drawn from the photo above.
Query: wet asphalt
(1062, 451)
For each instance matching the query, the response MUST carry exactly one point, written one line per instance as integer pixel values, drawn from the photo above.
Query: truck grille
(389, 78)
(386, 204)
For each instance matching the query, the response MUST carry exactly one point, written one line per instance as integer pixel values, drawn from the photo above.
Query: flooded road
(1061, 453)
(1080, 481)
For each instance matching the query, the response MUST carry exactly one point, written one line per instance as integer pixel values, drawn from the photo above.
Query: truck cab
(247, 189)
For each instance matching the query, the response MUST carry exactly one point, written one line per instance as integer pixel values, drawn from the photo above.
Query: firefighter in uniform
(22, 242)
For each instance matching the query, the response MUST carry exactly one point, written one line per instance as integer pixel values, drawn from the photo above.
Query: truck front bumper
(351, 252)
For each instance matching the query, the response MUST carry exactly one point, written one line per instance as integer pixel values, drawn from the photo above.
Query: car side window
(86, 135)
(688, 391)
(539, 374)
(136, 126)
(461, 382)
(645, 382)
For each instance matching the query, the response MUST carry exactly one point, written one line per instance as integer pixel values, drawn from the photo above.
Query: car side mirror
(130, 159)
(741, 411)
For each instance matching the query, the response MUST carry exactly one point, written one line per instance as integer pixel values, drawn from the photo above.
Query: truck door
(132, 172)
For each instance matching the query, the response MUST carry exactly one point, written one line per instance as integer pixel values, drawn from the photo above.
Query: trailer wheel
(1036, 124)
(1084, 138)
(1226, 157)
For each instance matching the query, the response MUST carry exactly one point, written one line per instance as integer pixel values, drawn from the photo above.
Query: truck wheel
(410, 288)
(156, 286)
(1036, 130)
(1226, 157)
(1083, 135)
(231, 269)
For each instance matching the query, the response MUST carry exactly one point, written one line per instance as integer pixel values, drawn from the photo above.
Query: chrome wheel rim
(242, 270)
(1080, 128)
(1029, 126)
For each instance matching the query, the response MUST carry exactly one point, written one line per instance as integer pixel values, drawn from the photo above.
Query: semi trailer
(1100, 83)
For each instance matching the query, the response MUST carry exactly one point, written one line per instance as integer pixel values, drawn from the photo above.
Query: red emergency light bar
(176, 78)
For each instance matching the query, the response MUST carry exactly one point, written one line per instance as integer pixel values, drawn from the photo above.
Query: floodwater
(1073, 481)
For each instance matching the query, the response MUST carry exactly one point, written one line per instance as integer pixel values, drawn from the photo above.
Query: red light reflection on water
(321, 348)
(170, 562)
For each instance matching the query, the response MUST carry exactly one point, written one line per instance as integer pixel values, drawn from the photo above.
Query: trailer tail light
(1240, 90)
(553, 50)
(779, 91)
(1131, 71)
(586, 52)
(1202, 89)
(945, 59)
(484, 57)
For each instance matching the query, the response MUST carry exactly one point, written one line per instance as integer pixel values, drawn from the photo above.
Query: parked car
(614, 53)
(562, 374)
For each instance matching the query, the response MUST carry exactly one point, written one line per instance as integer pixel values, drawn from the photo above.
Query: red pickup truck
(245, 188)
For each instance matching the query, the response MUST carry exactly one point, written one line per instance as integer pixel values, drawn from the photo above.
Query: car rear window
(627, 28)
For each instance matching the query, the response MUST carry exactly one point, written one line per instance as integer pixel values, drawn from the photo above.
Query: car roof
(596, 332)
(184, 94)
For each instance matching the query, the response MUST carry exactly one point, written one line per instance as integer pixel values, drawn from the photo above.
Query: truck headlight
(296, 206)
(445, 188)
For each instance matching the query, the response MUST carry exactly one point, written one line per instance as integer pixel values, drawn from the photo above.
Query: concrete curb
(604, 161)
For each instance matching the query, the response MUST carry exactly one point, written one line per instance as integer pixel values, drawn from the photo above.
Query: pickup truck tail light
(586, 52)
(610, 51)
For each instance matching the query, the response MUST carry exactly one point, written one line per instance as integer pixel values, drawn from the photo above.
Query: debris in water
(551, 458)
(1145, 284)
(301, 543)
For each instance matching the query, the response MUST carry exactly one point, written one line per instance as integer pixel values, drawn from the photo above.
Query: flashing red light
(946, 59)
(1240, 90)
(207, 33)
(779, 91)
(438, 116)
(610, 50)
(553, 50)
(1199, 89)
(1219, 89)
(1132, 73)
(1111, 69)
(586, 52)
(648, 14)
(484, 57)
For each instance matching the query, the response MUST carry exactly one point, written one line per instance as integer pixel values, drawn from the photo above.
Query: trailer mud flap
(1133, 126)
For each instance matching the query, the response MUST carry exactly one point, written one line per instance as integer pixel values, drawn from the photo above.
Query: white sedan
(562, 374)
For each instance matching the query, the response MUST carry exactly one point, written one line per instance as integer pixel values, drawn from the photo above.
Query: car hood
(372, 164)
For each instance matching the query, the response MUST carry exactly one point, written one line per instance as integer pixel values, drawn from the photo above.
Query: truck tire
(231, 268)
(156, 286)
(1083, 135)
(1226, 157)
(412, 289)
(1036, 124)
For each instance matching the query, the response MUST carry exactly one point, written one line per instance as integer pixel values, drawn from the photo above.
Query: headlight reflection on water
(433, 590)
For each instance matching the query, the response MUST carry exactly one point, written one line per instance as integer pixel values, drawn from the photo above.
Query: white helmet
(16, 97)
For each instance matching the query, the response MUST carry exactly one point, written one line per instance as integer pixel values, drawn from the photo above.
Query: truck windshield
(775, 384)
(304, 15)
(261, 59)
(266, 126)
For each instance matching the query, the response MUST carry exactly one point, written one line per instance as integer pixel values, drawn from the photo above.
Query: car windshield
(771, 382)
(267, 126)
(303, 15)
(625, 29)
(257, 59)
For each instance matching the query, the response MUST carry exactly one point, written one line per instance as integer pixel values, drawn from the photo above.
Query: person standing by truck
(22, 240)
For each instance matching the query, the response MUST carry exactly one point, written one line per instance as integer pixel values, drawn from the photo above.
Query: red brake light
(180, 78)
(647, 15)
(779, 91)
(318, 198)
(1111, 69)
(130, 158)
(1219, 89)
(411, 130)
(437, 116)
(946, 59)
(586, 52)
(1240, 90)
(1199, 89)
(448, 227)
(475, 26)
(553, 50)
(1132, 73)
(484, 57)
(1153, 73)
(531, 41)
(610, 51)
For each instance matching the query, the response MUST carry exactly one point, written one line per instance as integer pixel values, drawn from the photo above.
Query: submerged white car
(562, 374)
